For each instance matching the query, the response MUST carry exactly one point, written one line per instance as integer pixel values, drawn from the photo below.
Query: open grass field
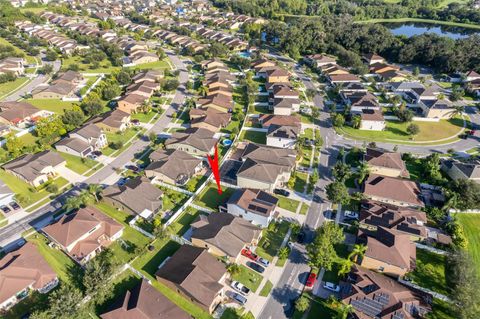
(105, 65)
(53, 105)
(10, 87)
(397, 132)
(28, 58)
(471, 226)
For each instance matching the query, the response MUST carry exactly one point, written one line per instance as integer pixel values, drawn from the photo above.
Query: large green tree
(321, 252)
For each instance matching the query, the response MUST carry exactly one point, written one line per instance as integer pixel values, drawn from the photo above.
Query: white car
(350, 214)
(240, 287)
(263, 261)
(237, 297)
(331, 286)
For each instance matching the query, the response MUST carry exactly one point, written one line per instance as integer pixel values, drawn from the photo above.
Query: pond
(411, 29)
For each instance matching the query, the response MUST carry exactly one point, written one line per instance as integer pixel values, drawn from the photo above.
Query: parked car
(255, 267)
(5, 209)
(132, 168)
(92, 156)
(263, 261)
(239, 287)
(301, 237)
(122, 181)
(472, 132)
(311, 280)
(249, 254)
(237, 297)
(14, 205)
(331, 286)
(282, 192)
(135, 122)
(350, 214)
(97, 153)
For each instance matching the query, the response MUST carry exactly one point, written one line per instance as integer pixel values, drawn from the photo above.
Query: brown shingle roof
(382, 158)
(392, 188)
(254, 200)
(144, 302)
(30, 166)
(226, 232)
(199, 138)
(173, 163)
(16, 111)
(270, 119)
(23, 268)
(196, 271)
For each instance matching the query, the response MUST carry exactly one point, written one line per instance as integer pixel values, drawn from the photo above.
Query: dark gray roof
(29, 166)
(75, 144)
(283, 131)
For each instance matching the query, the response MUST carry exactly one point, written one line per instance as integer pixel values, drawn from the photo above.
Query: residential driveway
(70, 175)
(290, 216)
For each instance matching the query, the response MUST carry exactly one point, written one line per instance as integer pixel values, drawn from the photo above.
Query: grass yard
(441, 310)
(157, 65)
(430, 271)
(307, 156)
(332, 275)
(63, 265)
(300, 182)
(414, 167)
(308, 133)
(30, 59)
(53, 105)
(287, 203)
(304, 209)
(122, 137)
(272, 239)
(182, 224)
(267, 287)
(319, 309)
(9, 87)
(78, 164)
(126, 248)
(254, 136)
(150, 260)
(248, 277)
(195, 182)
(28, 194)
(120, 216)
(210, 198)
(471, 225)
(142, 117)
(236, 313)
(121, 284)
(397, 131)
(105, 65)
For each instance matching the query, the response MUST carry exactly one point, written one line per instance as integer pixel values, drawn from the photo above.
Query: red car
(311, 280)
(247, 253)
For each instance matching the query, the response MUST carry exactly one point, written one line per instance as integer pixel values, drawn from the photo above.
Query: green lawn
(397, 131)
(267, 287)
(308, 133)
(30, 59)
(414, 167)
(307, 156)
(210, 198)
(430, 271)
(123, 137)
(304, 209)
(319, 309)
(142, 117)
(150, 260)
(158, 65)
(287, 203)
(300, 182)
(332, 275)
(195, 182)
(29, 194)
(272, 238)
(471, 226)
(6, 88)
(78, 164)
(53, 105)
(120, 216)
(248, 277)
(182, 224)
(441, 310)
(254, 136)
(63, 265)
(121, 284)
(105, 65)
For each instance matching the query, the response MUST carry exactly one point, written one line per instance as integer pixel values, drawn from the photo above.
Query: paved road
(42, 216)
(296, 270)
(40, 79)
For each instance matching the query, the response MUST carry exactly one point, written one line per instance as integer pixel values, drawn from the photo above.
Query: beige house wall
(377, 265)
(384, 171)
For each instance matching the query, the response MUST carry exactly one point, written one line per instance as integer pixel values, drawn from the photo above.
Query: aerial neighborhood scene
(240, 159)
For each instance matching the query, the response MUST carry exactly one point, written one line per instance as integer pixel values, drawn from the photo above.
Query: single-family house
(197, 275)
(20, 114)
(15, 66)
(254, 205)
(282, 136)
(22, 271)
(388, 251)
(173, 166)
(265, 167)
(382, 162)
(83, 141)
(129, 103)
(136, 197)
(462, 170)
(392, 190)
(114, 121)
(196, 141)
(83, 234)
(265, 120)
(224, 235)
(36, 169)
(210, 119)
(372, 120)
(143, 301)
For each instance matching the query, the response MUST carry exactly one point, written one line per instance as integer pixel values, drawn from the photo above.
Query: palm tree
(95, 190)
(358, 251)
(73, 203)
(457, 110)
(202, 90)
(363, 171)
(345, 267)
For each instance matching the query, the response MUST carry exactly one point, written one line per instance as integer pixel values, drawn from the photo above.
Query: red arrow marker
(214, 166)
